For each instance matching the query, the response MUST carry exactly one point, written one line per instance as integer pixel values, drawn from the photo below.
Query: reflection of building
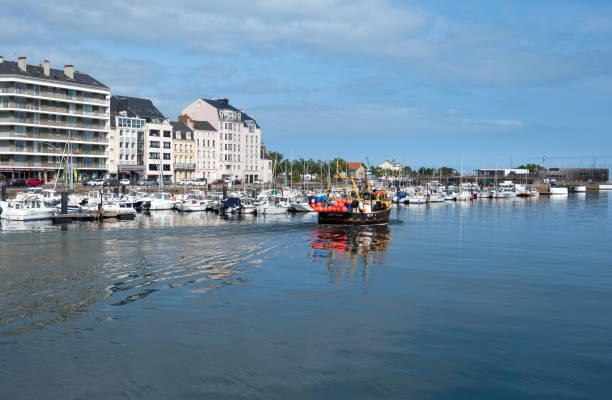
(47, 112)
(141, 139)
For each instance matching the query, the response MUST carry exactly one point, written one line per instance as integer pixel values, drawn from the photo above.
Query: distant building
(141, 140)
(501, 172)
(237, 136)
(184, 152)
(48, 114)
(390, 166)
(579, 174)
(357, 170)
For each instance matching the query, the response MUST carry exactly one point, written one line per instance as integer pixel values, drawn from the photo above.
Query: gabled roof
(135, 107)
(55, 75)
(355, 165)
(221, 104)
(203, 126)
(245, 117)
(180, 127)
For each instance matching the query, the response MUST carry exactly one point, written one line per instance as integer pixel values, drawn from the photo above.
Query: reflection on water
(344, 249)
(73, 269)
(484, 299)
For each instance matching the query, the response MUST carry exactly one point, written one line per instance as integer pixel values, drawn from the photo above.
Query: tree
(533, 168)
(446, 171)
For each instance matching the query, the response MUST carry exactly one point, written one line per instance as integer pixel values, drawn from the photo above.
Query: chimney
(69, 71)
(46, 68)
(21, 62)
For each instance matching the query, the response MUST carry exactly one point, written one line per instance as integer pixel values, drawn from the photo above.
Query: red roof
(354, 165)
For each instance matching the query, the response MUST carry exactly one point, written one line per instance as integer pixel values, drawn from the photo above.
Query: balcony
(45, 122)
(49, 165)
(45, 151)
(185, 165)
(53, 95)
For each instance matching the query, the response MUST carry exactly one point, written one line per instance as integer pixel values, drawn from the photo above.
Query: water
(488, 299)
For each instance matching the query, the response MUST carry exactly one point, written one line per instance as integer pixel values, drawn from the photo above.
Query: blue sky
(421, 81)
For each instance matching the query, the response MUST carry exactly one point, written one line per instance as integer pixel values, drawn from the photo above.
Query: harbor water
(495, 299)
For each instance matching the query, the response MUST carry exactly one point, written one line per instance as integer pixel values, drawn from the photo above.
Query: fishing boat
(356, 208)
(25, 210)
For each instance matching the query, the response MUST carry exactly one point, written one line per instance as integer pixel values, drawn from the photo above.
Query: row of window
(155, 133)
(155, 156)
(131, 123)
(155, 145)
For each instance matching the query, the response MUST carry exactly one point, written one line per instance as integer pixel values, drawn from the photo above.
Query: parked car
(185, 182)
(147, 182)
(200, 182)
(258, 182)
(87, 182)
(17, 183)
(167, 182)
(112, 182)
(99, 182)
(124, 181)
(34, 182)
(220, 182)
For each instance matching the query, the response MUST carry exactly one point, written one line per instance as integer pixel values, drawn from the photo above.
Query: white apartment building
(237, 139)
(49, 117)
(140, 140)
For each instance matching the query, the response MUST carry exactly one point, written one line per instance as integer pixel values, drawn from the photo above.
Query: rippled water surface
(488, 299)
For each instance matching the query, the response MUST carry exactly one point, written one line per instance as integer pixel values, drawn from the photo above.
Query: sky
(428, 83)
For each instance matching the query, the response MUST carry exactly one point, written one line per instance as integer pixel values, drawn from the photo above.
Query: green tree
(533, 168)
(446, 171)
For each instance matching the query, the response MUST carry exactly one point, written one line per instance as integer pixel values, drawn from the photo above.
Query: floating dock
(92, 216)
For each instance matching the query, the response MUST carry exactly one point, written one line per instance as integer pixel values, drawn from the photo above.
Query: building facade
(357, 170)
(237, 136)
(52, 121)
(184, 152)
(206, 142)
(141, 140)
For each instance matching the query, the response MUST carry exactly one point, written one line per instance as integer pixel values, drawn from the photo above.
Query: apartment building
(52, 121)
(206, 141)
(238, 138)
(184, 152)
(140, 140)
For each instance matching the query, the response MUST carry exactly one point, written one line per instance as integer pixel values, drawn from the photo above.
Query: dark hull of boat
(373, 218)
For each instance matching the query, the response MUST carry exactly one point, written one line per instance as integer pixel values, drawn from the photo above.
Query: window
(166, 156)
(154, 156)
(154, 133)
(154, 145)
(167, 134)
(167, 145)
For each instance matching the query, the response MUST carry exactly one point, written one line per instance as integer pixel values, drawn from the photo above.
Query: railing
(185, 165)
(54, 95)
(61, 138)
(46, 151)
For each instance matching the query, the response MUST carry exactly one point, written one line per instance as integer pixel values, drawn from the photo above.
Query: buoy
(344, 209)
(319, 205)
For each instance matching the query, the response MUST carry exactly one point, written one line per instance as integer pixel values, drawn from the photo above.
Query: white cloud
(504, 123)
